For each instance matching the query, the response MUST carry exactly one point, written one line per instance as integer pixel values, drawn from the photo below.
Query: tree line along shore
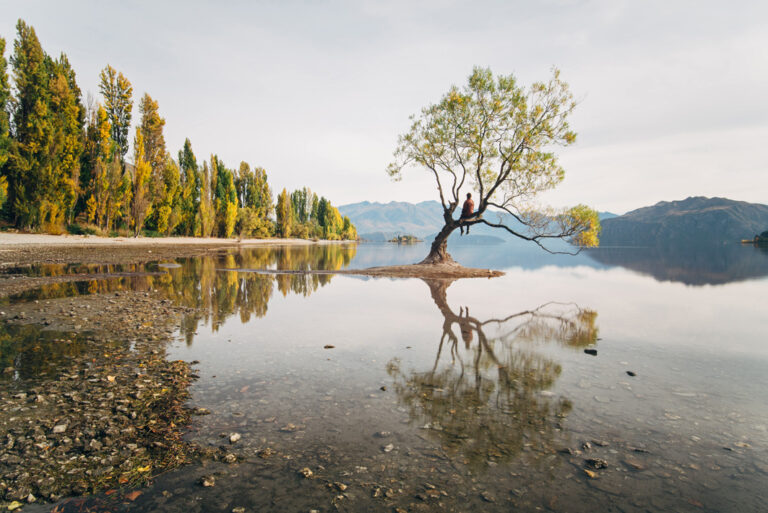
(64, 165)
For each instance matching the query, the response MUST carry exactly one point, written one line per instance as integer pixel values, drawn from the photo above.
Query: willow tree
(497, 139)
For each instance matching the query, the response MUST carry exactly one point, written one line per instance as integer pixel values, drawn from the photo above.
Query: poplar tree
(120, 187)
(349, 232)
(333, 223)
(117, 92)
(225, 197)
(5, 138)
(142, 173)
(108, 187)
(284, 214)
(97, 153)
(206, 214)
(167, 203)
(301, 203)
(161, 185)
(68, 119)
(152, 129)
(255, 198)
(191, 182)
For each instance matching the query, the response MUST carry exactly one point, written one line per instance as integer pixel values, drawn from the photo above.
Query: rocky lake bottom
(168, 381)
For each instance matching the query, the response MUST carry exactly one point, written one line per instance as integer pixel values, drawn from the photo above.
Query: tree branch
(536, 238)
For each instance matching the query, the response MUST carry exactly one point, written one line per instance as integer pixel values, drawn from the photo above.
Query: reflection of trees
(32, 352)
(204, 285)
(484, 402)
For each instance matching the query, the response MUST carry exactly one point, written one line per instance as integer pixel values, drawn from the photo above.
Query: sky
(671, 93)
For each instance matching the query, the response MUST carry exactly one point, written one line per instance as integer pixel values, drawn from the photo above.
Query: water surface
(474, 394)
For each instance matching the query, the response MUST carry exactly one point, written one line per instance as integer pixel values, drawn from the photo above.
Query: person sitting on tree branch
(467, 211)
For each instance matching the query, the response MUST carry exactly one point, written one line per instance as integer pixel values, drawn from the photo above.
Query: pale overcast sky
(672, 92)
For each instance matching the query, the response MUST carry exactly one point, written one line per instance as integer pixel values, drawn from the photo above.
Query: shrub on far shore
(84, 229)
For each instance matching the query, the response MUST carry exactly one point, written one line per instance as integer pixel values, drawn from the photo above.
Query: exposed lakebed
(565, 385)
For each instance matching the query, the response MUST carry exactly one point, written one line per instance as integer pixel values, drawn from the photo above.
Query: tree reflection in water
(212, 286)
(482, 399)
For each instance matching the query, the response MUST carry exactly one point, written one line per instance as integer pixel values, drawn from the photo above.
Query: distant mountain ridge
(395, 217)
(382, 221)
(694, 220)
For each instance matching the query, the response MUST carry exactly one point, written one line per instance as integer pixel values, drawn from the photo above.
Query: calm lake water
(622, 379)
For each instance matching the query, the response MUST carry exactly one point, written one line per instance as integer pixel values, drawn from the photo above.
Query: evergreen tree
(30, 173)
(322, 213)
(117, 92)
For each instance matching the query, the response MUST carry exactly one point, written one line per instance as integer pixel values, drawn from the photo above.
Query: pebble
(596, 463)
(234, 437)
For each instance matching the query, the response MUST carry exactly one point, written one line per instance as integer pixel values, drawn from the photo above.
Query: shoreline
(39, 239)
(30, 249)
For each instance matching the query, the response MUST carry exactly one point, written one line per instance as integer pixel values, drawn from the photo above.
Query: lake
(621, 379)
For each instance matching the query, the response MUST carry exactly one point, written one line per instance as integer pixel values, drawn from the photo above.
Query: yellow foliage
(163, 214)
(586, 225)
(230, 217)
(3, 190)
(90, 209)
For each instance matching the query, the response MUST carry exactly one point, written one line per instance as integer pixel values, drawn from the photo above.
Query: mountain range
(694, 220)
(378, 222)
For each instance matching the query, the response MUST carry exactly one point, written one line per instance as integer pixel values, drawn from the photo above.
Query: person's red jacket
(468, 208)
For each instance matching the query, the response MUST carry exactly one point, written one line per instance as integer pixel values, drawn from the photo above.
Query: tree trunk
(438, 253)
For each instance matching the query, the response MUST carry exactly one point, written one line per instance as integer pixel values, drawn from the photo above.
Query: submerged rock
(596, 463)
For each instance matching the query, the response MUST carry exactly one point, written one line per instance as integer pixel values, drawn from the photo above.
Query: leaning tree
(497, 139)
